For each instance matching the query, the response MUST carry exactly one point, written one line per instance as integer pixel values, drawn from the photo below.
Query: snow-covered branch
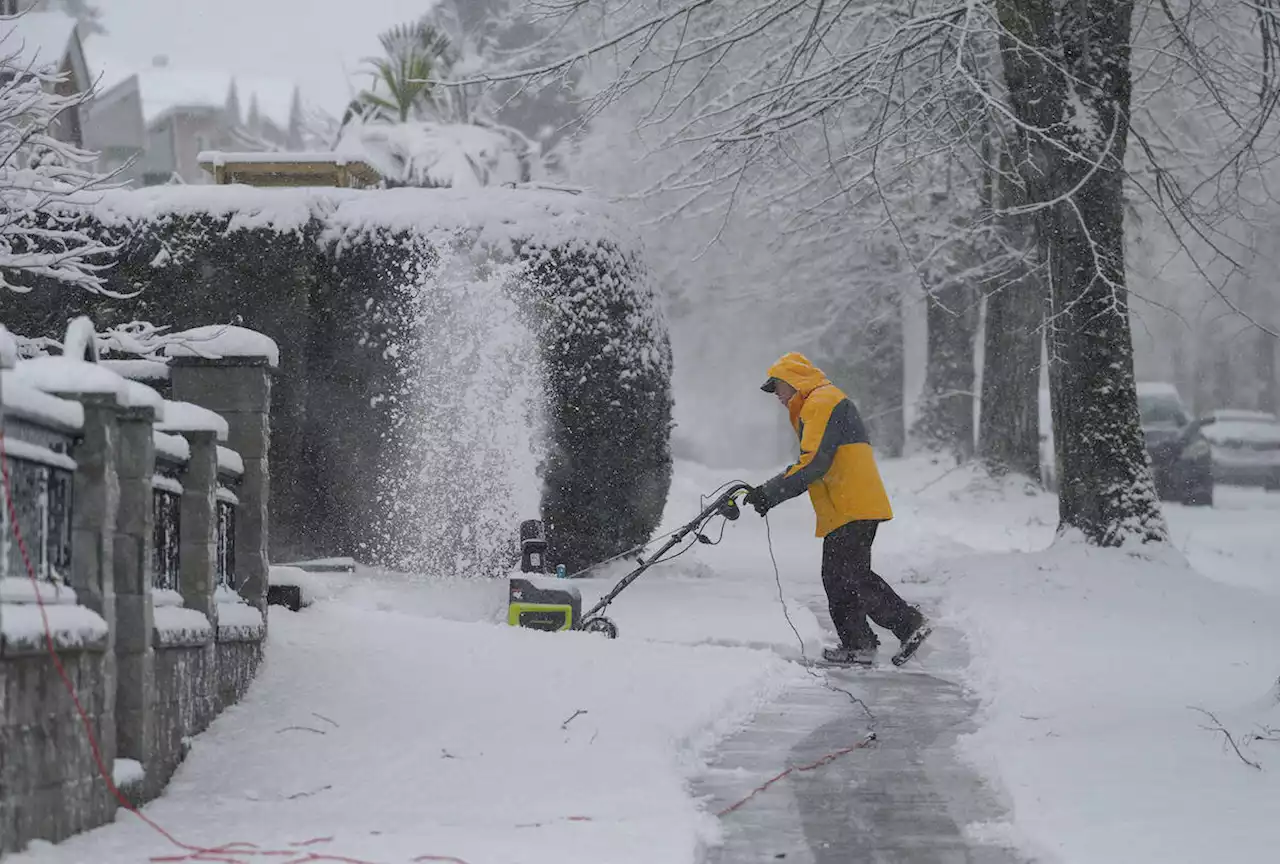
(46, 183)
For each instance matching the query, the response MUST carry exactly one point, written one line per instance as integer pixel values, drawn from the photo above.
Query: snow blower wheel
(602, 625)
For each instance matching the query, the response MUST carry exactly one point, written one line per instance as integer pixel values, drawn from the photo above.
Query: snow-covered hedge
(439, 352)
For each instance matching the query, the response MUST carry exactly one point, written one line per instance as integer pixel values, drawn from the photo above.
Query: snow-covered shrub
(450, 363)
(437, 155)
(608, 363)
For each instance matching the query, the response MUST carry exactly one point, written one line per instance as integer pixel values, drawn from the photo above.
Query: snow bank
(399, 738)
(1099, 672)
(218, 341)
(311, 586)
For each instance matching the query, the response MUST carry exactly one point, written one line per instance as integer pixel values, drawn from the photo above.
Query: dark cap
(770, 385)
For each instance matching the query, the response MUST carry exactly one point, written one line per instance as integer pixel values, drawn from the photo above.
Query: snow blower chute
(544, 602)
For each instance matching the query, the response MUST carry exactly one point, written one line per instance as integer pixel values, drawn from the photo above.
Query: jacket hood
(796, 370)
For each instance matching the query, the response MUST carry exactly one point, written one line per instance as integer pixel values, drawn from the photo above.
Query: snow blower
(543, 602)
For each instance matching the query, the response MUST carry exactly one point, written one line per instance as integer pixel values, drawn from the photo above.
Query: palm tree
(402, 88)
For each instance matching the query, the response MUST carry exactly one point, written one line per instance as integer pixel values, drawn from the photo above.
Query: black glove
(757, 499)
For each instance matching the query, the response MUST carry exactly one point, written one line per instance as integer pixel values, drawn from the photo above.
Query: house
(34, 38)
(165, 116)
(114, 128)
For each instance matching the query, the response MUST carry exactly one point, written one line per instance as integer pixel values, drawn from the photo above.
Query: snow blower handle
(725, 504)
(728, 503)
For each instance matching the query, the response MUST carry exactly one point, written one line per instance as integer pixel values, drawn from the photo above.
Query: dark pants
(855, 592)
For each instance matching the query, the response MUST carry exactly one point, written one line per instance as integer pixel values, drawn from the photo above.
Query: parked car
(1181, 457)
(1245, 446)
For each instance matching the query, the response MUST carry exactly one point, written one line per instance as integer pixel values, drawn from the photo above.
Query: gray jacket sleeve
(783, 488)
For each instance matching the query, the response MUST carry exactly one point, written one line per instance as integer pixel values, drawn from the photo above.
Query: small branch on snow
(574, 716)
(1266, 733)
(300, 729)
(332, 723)
(297, 795)
(1218, 727)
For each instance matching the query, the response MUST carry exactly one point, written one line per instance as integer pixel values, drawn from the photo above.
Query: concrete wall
(49, 785)
(152, 669)
(184, 706)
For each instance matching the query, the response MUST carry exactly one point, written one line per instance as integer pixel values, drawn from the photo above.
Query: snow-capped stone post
(229, 370)
(132, 570)
(95, 492)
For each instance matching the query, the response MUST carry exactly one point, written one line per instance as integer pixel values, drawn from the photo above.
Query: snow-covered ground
(396, 719)
(1099, 671)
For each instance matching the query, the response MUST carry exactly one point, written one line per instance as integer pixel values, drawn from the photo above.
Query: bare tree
(46, 183)
(745, 94)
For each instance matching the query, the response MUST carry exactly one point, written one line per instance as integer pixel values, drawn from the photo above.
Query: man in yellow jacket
(838, 469)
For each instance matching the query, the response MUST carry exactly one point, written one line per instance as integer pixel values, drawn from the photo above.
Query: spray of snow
(469, 422)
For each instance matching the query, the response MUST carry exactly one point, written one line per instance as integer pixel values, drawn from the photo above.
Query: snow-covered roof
(39, 39)
(219, 157)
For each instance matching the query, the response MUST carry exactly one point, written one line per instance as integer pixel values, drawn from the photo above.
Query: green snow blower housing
(536, 600)
(534, 605)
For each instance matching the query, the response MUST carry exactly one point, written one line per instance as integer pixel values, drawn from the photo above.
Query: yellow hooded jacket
(836, 463)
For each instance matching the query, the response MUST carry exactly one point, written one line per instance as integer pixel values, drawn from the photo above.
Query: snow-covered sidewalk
(386, 736)
(399, 719)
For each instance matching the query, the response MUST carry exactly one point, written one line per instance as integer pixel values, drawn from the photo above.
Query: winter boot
(912, 642)
(850, 656)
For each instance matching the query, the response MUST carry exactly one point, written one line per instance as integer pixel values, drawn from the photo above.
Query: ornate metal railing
(41, 481)
(166, 509)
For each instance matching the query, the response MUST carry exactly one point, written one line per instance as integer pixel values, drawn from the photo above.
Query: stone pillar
(96, 497)
(134, 537)
(239, 388)
(198, 548)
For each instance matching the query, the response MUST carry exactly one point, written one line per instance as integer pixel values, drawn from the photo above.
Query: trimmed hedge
(350, 285)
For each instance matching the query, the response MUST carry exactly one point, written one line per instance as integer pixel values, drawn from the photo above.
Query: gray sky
(317, 43)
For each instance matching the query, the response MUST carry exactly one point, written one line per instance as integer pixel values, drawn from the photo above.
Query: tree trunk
(1269, 385)
(946, 415)
(1067, 69)
(867, 362)
(882, 368)
(1009, 427)
(1009, 421)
